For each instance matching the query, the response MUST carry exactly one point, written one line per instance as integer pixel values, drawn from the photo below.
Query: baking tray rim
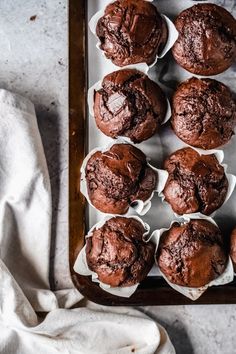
(153, 290)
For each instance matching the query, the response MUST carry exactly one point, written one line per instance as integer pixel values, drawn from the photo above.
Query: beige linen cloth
(25, 224)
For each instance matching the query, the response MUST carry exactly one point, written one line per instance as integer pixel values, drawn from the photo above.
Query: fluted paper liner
(194, 293)
(172, 37)
(81, 266)
(139, 206)
(219, 154)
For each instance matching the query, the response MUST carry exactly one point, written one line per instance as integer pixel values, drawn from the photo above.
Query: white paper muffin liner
(172, 37)
(139, 206)
(194, 293)
(98, 85)
(219, 154)
(81, 265)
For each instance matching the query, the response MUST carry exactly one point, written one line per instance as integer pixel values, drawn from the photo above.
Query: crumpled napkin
(25, 222)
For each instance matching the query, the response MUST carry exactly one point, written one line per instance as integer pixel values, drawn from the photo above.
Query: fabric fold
(25, 231)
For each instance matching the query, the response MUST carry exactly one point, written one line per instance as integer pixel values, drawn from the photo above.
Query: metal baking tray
(153, 290)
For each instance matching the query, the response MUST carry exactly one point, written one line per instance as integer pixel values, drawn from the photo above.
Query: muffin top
(233, 248)
(129, 104)
(131, 31)
(196, 183)
(117, 253)
(207, 39)
(203, 113)
(192, 254)
(117, 177)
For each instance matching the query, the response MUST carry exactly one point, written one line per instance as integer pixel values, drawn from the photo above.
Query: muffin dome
(192, 254)
(131, 32)
(117, 177)
(203, 113)
(207, 39)
(233, 248)
(117, 253)
(129, 104)
(196, 183)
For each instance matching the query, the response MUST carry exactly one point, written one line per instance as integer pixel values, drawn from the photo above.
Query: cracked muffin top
(131, 32)
(117, 253)
(233, 248)
(196, 183)
(207, 39)
(192, 254)
(118, 177)
(203, 113)
(129, 104)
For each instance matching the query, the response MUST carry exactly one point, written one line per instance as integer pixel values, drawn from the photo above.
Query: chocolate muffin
(129, 104)
(233, 248)
(131, 32)
(118, 254)
(118, 177)
(192, 254)
(203, 113)
(196, 183)
(207, 39)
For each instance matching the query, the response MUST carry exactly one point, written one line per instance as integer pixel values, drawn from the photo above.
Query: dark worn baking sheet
(82, 59)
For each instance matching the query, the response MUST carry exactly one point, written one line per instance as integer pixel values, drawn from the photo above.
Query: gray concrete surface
(34, 62)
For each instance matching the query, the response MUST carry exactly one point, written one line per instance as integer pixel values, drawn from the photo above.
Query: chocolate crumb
(33, 18)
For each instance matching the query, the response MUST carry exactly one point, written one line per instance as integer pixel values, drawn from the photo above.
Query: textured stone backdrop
(34, 62)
